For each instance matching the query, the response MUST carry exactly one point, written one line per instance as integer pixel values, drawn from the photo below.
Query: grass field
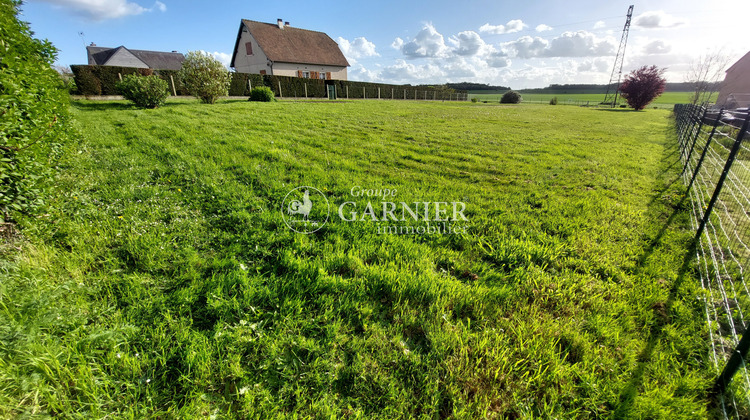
(666, 100)
(163, 282)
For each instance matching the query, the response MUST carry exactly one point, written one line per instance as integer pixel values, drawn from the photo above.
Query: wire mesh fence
(716, 169)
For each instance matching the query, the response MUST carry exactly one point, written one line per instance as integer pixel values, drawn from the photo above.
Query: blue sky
(513, 43)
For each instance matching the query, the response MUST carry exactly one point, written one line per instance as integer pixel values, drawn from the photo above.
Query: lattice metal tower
(610, 98)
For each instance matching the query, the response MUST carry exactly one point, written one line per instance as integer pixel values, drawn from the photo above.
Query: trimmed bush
(262, 94)
(204, 76)
(144, 91)
(511, 97)
(34, 120)
(553, 101)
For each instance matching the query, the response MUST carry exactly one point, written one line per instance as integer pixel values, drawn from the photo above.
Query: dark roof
(99, 55)
(293, 45)
(156, 60)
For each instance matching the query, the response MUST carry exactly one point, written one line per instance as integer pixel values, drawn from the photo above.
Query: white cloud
(568, 44)
(469, 43)
(657, 47)
(543, 28)
(598, 65)
(515, 25)
(403, 72)
(106, 9)
(657, 19)
(223, 57)
(600, 24)
(397, 43)
(498, 60)
(428, 43)
(526, 46)
(358, 48)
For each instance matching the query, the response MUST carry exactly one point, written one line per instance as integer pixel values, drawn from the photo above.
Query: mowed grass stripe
(192, 298)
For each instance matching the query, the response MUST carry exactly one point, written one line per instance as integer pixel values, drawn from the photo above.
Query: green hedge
(34, 118)
(101, 80)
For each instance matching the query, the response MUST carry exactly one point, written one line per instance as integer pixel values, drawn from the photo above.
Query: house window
(249, 48)
(306, 74)
(322, 75)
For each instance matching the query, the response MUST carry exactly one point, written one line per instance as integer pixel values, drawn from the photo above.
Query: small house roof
(293, 45)
(158, 60)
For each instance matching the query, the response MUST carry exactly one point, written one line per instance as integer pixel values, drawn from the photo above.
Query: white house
(282, 50)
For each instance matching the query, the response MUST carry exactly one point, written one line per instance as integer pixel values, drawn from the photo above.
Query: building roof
(293, 45)
(737, 64)
(157, 60)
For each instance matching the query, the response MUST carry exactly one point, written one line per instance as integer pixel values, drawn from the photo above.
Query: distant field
(666, 100)
(163, 281)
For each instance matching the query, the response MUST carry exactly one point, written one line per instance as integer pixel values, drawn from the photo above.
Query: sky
(520, 44)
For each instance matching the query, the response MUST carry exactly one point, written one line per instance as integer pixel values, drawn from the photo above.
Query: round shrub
(262, 94)
(511, 97)
(553, 101)
(144, 91)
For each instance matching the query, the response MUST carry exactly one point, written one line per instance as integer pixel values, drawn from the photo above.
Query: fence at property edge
(715, 159)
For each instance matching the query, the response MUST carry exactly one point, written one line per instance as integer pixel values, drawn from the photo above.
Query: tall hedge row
(101, 80)
(34, 119)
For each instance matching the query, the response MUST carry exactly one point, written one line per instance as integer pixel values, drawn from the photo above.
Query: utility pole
(614, 79)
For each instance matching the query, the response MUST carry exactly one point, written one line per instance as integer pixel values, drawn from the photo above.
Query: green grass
(665, 101)
(162, 281)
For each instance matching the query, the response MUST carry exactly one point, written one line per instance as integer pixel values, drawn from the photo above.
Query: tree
(642, 86)
(204, 76)
(705, 74)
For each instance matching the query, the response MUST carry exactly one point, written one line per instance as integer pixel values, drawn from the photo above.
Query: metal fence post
(723, 177)
(695, 139)
(736, 360)
(705, 150)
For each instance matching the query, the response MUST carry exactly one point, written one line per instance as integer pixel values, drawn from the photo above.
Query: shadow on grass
(97, 105)
(629, 392)
(618, 110)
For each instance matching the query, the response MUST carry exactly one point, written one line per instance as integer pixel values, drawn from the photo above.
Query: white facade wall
(292, 69)
(254, 63)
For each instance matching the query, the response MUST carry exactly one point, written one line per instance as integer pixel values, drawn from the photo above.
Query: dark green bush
(144, 91)
(34, 120)
(262, 94)
(474, 100)
(511, 97)
(553, 101)
(86, 82)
